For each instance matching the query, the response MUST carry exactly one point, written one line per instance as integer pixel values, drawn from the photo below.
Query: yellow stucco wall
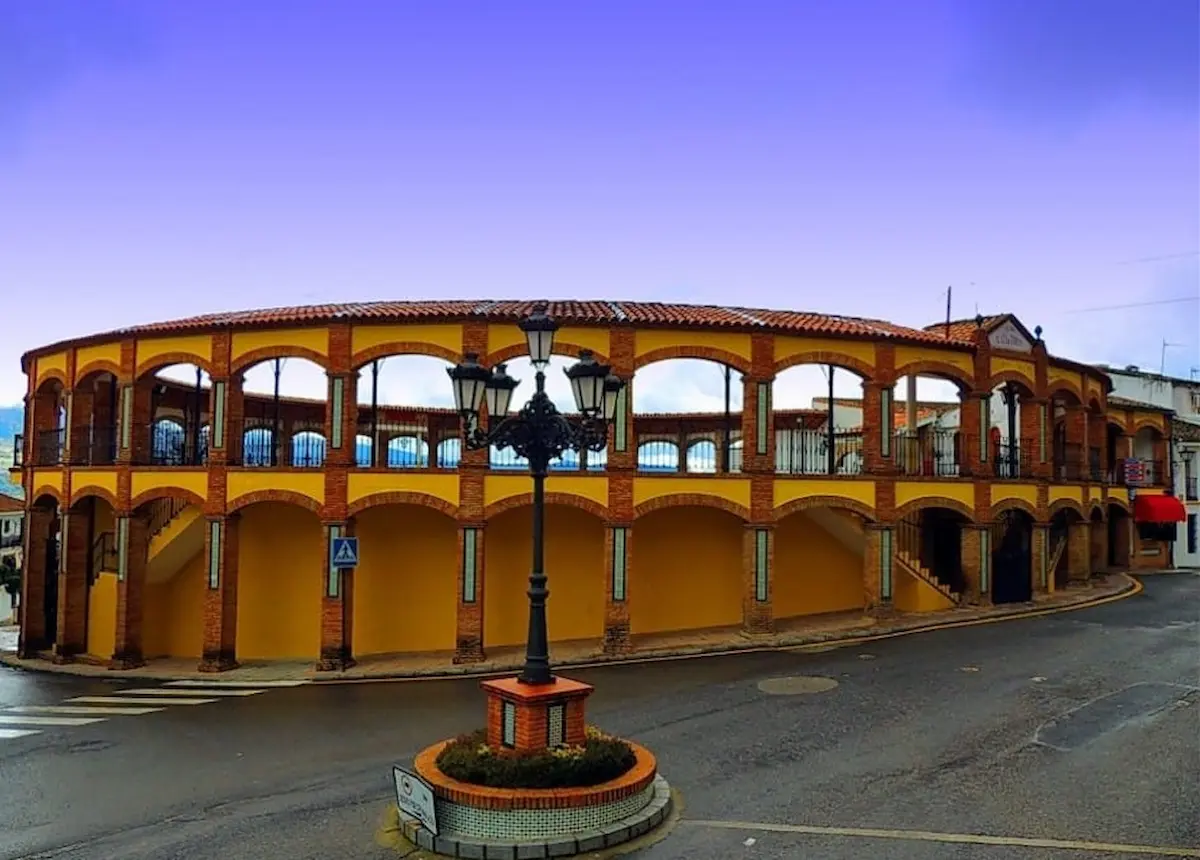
(499, 487)
(503, 336)
(359, 485)
(102, 616)
(173, 613)
(814, 572)
(281, 578)
(910, 593)
(242, 482)
(648, 340)
(906, 355)
(447, 336)
(1056, 375)
(1095, 494)
(1094, 389)
(49, 363)
(790, 489)
(47, 478)
(85, 355)
(1058, 493)
(148, 350)
(406, 584)
(734, 489)
(82, 481)
(1016, 365)
(1025, 492)
(574, 567)
(909, 491)
(144, 480)
(686, 571)
(789, 347)
(315, 339)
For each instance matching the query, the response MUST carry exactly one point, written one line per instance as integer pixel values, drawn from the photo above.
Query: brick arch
(264, 353)
(699, 500)
(1146, 423)
(400, 348)
(190, 496)
(1093, 509)
(939, 369)
(569, 500)
(52, 374)
(708, 353)
(840, 502)
(520, 350)
(401, 497)
(92, 491)
(918, 505)
(1024, 384)
(1111, 420)
(1062, 386)
(1118, 502)
(1010, 504)
(47, 490)
(286, 497)
(151, 366)
(822, 356)
(100, 365)
(1066, 505)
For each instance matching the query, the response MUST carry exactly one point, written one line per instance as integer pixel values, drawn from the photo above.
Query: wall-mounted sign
(1008, 337)
(414, 798)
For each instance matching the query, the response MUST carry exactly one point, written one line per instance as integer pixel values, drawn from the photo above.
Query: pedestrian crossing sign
(344, 552)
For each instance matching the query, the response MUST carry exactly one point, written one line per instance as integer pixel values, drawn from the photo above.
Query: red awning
(1158, 509)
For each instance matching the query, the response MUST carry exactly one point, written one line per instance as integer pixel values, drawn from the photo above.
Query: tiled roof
(964, 329)
(576, 312)
(1114, 400)
(9, 505)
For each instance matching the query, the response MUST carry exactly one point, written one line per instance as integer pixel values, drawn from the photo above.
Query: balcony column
(82, 402)
(137, 419)
(758, 426)
(219, 652)
(1098, 545)
(73, 584)
(1036, 432)
(39, 535)
(104, 419)
(976, 557)
(974, 426)
(133, 542)
(878, 567)
(879, 428)
(337, 605)
(468, 625)
(43, 450)
(618, 559)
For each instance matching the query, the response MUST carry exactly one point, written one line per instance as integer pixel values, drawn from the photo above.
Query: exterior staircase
(176, 530)
(908, 560)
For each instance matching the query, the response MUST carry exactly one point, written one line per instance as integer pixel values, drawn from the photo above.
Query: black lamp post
(539, 433)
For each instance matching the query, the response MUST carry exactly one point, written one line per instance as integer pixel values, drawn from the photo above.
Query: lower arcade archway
(1012, 557)
(818, 563)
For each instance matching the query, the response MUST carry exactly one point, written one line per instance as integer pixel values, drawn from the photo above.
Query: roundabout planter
(481, 821)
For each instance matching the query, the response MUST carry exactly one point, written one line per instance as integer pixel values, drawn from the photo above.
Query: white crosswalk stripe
(82, 710)
(137, 700)
(13, 734)
(207, 691)
(26, 720)
(233, 685)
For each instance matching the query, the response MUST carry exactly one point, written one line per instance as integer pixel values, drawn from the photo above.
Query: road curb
(1129, 588)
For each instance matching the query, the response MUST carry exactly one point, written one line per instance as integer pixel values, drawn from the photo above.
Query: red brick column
(1040, 572)
(43, 421)
(877, 567)
(622, 437)
(758, 552)
(976, 559)
(972, 430)
(39, 531)
(72, 586)
(221, 540)
(141, 420)
(878, 395)
(618, 560)
(337, 605)
(133, 542)
(468, 634)
(1034, 419)
(82, 403)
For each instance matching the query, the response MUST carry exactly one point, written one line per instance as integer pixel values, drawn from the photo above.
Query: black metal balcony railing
(806, 452)
(18, 450)
(289, 445)
(48, 447)
(934, 453)
(1095, 465)
(1011, 459)
(93, 446)
(1068, 462)
(104, 553)
(11, 540)
(175, 444)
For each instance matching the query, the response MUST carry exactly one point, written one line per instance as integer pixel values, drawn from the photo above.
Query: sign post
(414, 798)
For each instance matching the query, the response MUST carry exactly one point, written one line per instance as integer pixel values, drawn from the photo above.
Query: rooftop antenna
(1162, 365)
(948, 292)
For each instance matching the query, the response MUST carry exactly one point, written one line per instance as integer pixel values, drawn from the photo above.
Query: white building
(1182, 396)
(12, 515)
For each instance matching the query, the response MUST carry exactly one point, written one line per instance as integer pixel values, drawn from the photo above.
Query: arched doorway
(818, 564)
(1119, 536)
(1059, 551)
(1098, 544)
(1012, 557)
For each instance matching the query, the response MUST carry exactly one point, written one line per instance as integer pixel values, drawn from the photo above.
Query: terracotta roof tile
(9, 505)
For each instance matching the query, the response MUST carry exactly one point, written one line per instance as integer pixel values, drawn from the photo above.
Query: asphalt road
(1082, 728)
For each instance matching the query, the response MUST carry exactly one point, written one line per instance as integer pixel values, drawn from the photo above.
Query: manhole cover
(797, 685)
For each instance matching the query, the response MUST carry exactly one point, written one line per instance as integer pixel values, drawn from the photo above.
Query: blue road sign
(344, 552)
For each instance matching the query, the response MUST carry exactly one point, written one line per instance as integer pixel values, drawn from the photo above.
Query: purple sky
(163, 159)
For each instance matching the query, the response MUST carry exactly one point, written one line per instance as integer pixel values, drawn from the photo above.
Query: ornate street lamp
(539, 433)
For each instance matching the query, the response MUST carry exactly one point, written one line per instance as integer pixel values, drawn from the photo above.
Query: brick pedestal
(529, 717)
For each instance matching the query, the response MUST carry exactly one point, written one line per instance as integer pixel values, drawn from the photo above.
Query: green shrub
(468, 758)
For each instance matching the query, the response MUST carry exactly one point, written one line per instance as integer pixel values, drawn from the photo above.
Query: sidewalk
(792, 633)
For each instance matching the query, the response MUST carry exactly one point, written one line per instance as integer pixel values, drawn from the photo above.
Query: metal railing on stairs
(910, 554)
(162, 512)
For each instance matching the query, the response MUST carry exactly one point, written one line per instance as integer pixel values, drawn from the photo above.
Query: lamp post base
(530, 717)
